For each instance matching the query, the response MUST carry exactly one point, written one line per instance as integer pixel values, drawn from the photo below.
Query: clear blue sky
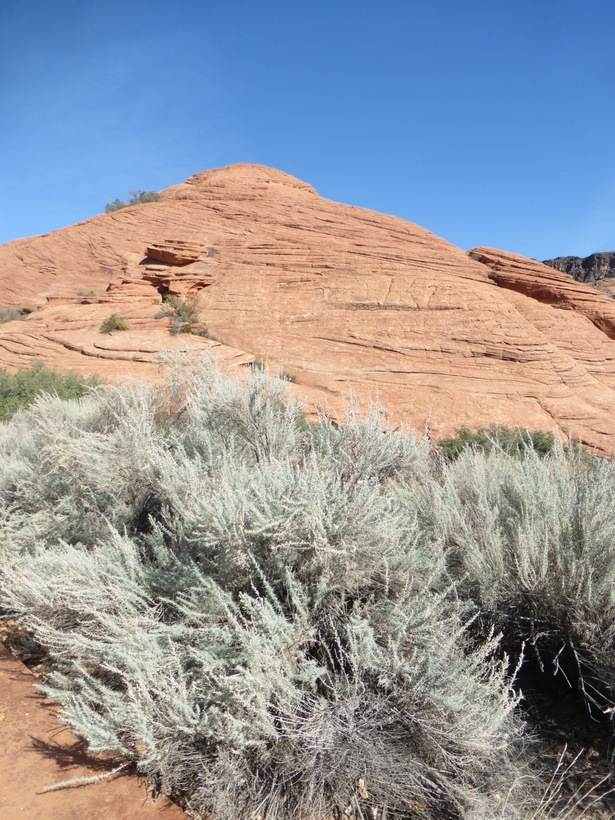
(487, 122)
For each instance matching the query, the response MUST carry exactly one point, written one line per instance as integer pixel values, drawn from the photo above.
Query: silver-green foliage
(534, 541)
(257, 611)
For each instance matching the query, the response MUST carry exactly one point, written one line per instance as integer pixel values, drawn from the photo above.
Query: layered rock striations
(340, 297)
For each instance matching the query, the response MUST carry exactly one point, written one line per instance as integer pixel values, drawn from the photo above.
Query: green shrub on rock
(514, 441)
(113, 322)
(136, 198)
(116, 205)
(143, 197)
(184, 315)
(19, 390)
(12, 314)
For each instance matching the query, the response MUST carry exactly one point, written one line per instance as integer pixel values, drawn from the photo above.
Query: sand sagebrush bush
(257, 611)
(260, 363)
(533, 541)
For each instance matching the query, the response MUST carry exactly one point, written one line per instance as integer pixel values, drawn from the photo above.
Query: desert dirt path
(37, 750)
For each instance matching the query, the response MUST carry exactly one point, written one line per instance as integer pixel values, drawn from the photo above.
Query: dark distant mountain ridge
(590, 269)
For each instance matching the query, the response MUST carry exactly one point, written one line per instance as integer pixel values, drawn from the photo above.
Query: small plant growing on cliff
(116, 205)
(184, 315)
(10, 314)
(113, 322)
(136, 198)
(143, 197)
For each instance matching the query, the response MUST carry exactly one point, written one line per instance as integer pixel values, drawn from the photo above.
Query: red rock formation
(338, 296)
(175, 253)
(549, 286)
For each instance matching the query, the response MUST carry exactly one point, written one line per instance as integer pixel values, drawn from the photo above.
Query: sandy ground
(37, 750)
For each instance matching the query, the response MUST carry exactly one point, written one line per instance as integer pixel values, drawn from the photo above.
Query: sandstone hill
(596, 269)
(337, 296)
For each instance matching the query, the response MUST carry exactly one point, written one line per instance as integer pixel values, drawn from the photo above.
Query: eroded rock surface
(595, 269)
(338, 296)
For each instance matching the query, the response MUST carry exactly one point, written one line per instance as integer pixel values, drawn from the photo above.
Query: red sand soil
(37, 750)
